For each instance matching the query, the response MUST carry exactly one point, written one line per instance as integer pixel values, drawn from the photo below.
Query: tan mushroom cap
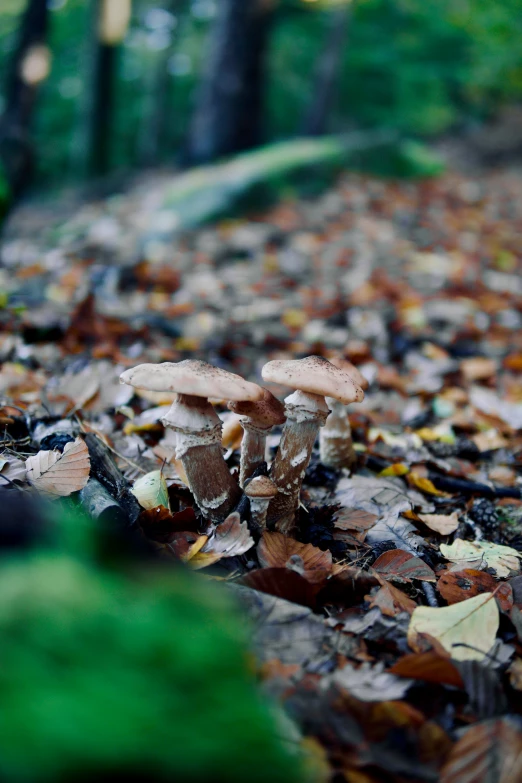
(261, 487)
(192, 377)
(264, 413)
(343, 364)
(316, 376)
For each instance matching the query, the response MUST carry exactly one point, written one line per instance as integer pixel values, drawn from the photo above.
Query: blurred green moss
(135, 671)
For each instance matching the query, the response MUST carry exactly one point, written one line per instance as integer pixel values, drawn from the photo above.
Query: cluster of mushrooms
(319, 385)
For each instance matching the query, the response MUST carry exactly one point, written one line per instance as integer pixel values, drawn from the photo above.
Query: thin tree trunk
(328, 73)
(16, 151)
(227, 117)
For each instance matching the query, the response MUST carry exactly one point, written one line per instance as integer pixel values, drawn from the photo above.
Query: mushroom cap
(261, 487)
(264, 413)
(193, 377)
(315, 375)
(343, 364)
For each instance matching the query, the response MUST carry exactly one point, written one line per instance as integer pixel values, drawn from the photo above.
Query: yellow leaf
(151, 490)
(467, 630)
(193, 552)
(483, 554)
(398, 469)
(425, 485)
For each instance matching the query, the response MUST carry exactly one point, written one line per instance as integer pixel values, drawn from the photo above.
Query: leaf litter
(376, 622)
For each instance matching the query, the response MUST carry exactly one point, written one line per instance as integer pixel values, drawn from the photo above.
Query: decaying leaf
(230, 538)
(13, 469)
(400, 566)
(60, 474)
(489, 752)
(276, 550)
(397, 529)
(391, 601)
(467, 630)
(371, 683)
(515, 674)
(151, 490)
(441, 523)
(483, 554)
(355, 521)
(456, 586)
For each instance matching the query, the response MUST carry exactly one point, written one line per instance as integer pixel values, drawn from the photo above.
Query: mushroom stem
(252, 449)
(306, 413)
(335, 439)
(198, 446)
(258, 509)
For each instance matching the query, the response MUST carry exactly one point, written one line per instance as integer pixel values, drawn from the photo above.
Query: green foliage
(140, 673)
(418, 67)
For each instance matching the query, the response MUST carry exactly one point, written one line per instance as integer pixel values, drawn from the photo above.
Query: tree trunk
(327, 75)
(227, 117)
(23, 79)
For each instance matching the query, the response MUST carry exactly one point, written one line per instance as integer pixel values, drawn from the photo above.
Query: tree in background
(227, 116)
(111, 23)
(328, 71)
(29, 67)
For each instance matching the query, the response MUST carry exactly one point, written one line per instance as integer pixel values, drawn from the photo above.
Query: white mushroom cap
(314, 375)
(343, 364)
(192, 377)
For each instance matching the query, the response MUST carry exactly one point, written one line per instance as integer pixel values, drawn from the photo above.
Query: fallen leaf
(391, 601)
(489, 752)
(441, 523)
(371, 683)
(402, 567)
(467, 630)
(151, 490)
(425, 485)
(60, 474)
(397, 529)
(457, 586)
(283, 583)
(478, 368)
(483, 554)
(230, 538)
(515, 674)
(397, 469)
(430, 667)
(13, 469)
(354, 520)
(275, 550)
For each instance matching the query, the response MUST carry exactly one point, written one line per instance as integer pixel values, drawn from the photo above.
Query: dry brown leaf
(391, 601)
(275, 550)
(489, 752)
(441, 523)
(60, 474)
(430, 667)
(356, 521)
(515, 674)
(478, 368)
(230, 538)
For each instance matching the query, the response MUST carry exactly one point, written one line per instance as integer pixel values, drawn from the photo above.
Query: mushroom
(306, 411)
(335, 438)
(260, 491)
(197, 425)
(257, 419)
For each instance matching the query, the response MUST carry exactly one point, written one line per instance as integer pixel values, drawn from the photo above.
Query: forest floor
(390, 622)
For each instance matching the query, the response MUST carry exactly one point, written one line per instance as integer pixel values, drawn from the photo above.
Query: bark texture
(227, 117)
